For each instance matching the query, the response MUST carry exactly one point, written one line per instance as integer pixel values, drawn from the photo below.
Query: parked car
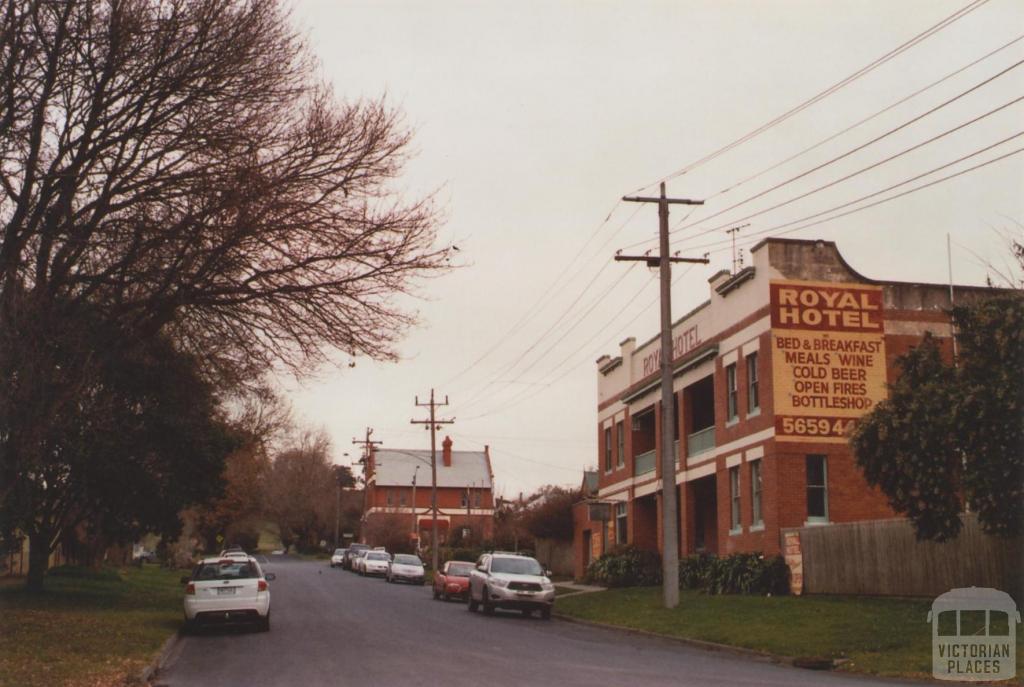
(227, 590)
(338, 557)
(357, 560)
(452, 580)
(510, 581)
(406, 568)
(374, 563)
(350, 555)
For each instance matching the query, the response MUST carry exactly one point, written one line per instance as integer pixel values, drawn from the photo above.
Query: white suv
(505, 580)
(227, 590)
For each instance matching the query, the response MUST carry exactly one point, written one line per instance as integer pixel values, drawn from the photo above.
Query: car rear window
(407, 560)
(461, 570)
(377, 556)
(225, 570)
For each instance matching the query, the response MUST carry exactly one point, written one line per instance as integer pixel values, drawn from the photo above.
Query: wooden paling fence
(883, 557)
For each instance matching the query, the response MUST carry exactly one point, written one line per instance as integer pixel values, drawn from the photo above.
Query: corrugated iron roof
(395, 467)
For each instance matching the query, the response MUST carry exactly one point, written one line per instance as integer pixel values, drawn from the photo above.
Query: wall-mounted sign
(682, 343)
(828, 357)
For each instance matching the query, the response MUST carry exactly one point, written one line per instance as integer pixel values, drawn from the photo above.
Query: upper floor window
(389, 498)
(731, 393)
(753, 399)
(620, 437)
(608, 449)
(401, 499)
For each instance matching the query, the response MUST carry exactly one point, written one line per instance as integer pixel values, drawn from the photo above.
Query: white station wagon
(227, 591)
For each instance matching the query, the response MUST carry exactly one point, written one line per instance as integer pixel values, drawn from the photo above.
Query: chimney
(446, 455)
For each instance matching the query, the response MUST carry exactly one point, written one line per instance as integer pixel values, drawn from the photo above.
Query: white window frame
(607, 449)
(817, 519)
(756, 495)
(732, 410)
(620, 444)
(753, 385)
(735, 505)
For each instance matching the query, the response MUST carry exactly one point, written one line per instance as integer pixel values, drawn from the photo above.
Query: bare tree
(176, 168)
(177, 162)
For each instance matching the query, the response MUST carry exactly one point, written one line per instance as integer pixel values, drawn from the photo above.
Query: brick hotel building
(768, 375)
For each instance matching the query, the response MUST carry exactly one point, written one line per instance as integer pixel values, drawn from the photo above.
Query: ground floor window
(755, 493)
(621, 534)
(734, 498)
(817, 488)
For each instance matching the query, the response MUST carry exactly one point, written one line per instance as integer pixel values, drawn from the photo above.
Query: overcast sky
(532, 119)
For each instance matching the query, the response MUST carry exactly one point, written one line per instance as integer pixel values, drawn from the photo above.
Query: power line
(531, 393)
(864, 169)
(863, 121)
(769, 230)
(550, 329)
(516, 455)
(532, 311)
(959, 14)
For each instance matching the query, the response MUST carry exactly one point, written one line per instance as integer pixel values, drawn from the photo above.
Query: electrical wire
(895, 52)
(863, 169)
(544, 297)
(917, 177)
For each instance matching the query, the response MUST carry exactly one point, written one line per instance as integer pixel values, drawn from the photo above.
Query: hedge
(738, 573)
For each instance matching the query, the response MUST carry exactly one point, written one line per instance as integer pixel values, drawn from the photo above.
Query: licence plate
(225, 590)
(526, 593)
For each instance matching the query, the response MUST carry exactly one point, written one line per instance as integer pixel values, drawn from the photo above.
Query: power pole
(368, 445)
(669, 505)
(434, 425)
(415, 529)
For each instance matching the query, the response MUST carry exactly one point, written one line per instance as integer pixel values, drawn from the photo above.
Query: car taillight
(190, 589)
(261, 586)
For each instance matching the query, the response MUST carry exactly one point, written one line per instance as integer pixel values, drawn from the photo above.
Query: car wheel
(436, 595)
(444, 595)
(472, 602)
(188, 627)
(487, 605)
(526, 612)
(263, 624)
(546, 613)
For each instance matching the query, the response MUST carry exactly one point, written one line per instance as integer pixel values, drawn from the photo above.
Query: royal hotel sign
(828, 357)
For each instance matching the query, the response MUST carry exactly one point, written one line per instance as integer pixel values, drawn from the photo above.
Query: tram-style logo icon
(974, 635)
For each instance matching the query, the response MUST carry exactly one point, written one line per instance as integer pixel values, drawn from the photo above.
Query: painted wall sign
(682, 343)
(828, 357)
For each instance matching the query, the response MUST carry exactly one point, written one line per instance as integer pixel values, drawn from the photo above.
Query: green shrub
(626, 567)
(738, 573)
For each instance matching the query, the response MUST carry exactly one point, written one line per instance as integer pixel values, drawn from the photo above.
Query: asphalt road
(332, 627)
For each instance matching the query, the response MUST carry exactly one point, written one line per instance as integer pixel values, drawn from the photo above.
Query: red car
(452, 580)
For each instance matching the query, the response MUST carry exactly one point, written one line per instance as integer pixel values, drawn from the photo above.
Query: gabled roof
(395, 467)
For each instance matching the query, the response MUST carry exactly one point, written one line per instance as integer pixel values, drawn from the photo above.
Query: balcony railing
(701, 441)
(644, 463)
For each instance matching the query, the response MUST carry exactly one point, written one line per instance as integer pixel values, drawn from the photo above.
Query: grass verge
(87, 627)
(882, 636)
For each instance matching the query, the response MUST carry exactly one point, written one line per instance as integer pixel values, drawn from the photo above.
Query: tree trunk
(38, 560)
